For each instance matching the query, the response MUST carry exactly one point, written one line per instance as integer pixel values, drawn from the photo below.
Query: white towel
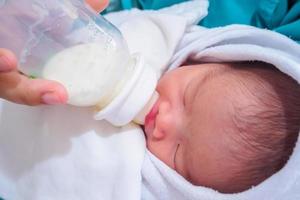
(231, 43)
(61, 153)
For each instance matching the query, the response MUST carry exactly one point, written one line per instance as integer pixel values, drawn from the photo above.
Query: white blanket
(61, 153)
(231, 43)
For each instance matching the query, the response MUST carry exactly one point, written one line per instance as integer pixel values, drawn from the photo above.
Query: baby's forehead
(236, 80)
(220, 94)
(218, 81)
(232, 96)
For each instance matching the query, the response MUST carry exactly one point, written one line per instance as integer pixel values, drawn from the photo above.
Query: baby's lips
(149, 128)
(150, 118)
(152, 114)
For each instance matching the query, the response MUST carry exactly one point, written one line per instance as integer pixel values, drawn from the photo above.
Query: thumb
(98, 5)
(8, 60)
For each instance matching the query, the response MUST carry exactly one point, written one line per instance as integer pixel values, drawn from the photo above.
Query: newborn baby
(225, 126)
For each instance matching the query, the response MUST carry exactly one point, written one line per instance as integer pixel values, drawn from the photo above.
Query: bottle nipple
(135, 99)
(140, 117)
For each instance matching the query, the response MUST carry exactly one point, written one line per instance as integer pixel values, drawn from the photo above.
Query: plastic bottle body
(97, 74)
(66, 41)
(46, 33)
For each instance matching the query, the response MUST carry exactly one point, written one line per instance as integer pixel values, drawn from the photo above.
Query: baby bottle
(66, 41)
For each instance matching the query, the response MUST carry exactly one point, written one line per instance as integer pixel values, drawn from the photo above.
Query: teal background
(282, 16)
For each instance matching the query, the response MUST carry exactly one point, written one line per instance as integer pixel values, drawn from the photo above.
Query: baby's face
(190, 126)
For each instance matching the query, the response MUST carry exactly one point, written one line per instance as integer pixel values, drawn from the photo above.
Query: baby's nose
(165, 116)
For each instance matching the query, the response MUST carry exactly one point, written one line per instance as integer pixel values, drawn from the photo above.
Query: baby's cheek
(163, 151)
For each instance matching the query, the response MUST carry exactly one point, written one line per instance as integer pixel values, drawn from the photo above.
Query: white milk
(91, 73)
(120, 86)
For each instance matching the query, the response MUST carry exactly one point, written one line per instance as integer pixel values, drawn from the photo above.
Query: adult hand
(18, 88)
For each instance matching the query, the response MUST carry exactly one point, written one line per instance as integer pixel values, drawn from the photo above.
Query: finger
(98, 5)
(20, 89)
(8, 60)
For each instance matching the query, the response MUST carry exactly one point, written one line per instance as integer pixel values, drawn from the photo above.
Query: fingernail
(51, 99)
(5, 64)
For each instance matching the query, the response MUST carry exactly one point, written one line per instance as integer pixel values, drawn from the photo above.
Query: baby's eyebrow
(208, 76)
(185, 95)
(199, 83)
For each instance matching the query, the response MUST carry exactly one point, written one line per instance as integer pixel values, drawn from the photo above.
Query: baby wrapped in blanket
(166, 131)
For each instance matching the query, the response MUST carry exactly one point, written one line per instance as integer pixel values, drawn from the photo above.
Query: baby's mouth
(150, 119)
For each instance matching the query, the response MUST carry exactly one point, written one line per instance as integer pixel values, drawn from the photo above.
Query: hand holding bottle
(18, 88)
